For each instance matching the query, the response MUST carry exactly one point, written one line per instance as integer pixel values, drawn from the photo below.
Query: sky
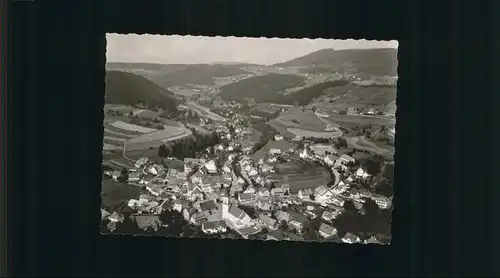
(198, 50)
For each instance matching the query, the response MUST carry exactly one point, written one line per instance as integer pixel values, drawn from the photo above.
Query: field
(130, 127)
(317, 134)
(296, 118)
(267, 108)
(362, 143)
(349, 121)
(262, 152)
(114, 193)
(301, 175)
(281, 128)
(204, 111)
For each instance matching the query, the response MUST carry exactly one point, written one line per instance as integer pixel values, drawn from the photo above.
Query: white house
(278, 137)
(277, 192)
(351, 238)
(177, 205)
(326, 230)
(246, 197)
(141, 162)
(235, 217)
(154, 190)
(347, 159)
(211, 167)
(250, 189)
(273, 151)
(361, 173)
(263, 192)
(213, 227)
(330, 159)
(268, 222)
(134, 176)
(305, 193)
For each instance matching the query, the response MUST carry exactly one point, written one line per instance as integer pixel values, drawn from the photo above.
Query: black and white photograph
(249, 138)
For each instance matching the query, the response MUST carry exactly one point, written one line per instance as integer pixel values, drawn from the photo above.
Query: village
(232, 187)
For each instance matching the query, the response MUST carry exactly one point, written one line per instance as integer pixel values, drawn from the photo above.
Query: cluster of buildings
(241, 195)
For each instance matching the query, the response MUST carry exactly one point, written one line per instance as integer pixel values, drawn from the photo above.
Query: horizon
(133, 48)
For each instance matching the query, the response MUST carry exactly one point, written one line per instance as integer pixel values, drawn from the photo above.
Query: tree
(162, 151)
(123, 175)
(349, 206)
(130, 113)
(312, 197)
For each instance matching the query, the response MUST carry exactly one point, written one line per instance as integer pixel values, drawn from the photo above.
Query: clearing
(303, 119)
(362, 143)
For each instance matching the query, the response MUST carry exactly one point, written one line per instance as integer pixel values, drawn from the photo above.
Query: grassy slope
(129, 88)
(265, 88)
(367, 61)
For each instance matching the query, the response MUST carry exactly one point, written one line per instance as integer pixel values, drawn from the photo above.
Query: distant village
(232, 187)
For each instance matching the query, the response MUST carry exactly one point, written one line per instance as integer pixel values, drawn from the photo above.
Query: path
(328, 123)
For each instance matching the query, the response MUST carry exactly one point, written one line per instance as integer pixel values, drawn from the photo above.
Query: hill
(303, 97)
(264, 88)
(379, 62)
(203, 74)
(128, 88)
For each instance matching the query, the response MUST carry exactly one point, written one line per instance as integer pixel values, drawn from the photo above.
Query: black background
(445, 158)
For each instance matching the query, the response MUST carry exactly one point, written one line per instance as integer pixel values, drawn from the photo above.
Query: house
(326, 230)
(196, 194)
(361, 173)
(253, 172)
(235, 217)
(213, 227)
(246, 197)
(144, 198)
(245, 232)
(351, 238)
(116, 217)
(141, 162)
(133, 203)
(197, 177)
(177, 205)
(134, 176)
(297, 221)
(209, 206)
(152, 170)
(264, 193)
(273, 151)
(199, 217)
(322, 193)
(236, 188)
(115, 175)
(283, 216)
(104, 214)
(250, 189)
(278, 137)
(277, 192)
(372, 240)
(147, 221)
(330, 215)
(381, 201)
(266, 168)
(154, 190)
(268, 222)
(330, 159)
(305, 194)
(286, 188)
(321, 150)
(211, 167)
(347, 159)
(334, 200)
(371, 111)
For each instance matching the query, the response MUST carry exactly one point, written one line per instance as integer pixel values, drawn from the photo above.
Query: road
(328, 123)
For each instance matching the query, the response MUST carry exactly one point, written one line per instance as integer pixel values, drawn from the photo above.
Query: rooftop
(208, 205)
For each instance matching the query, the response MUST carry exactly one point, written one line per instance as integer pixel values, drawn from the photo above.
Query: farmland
(300, 175)
(317, 134)
(303, 119)
(114, 193)
(362, 143)
(131, 127)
